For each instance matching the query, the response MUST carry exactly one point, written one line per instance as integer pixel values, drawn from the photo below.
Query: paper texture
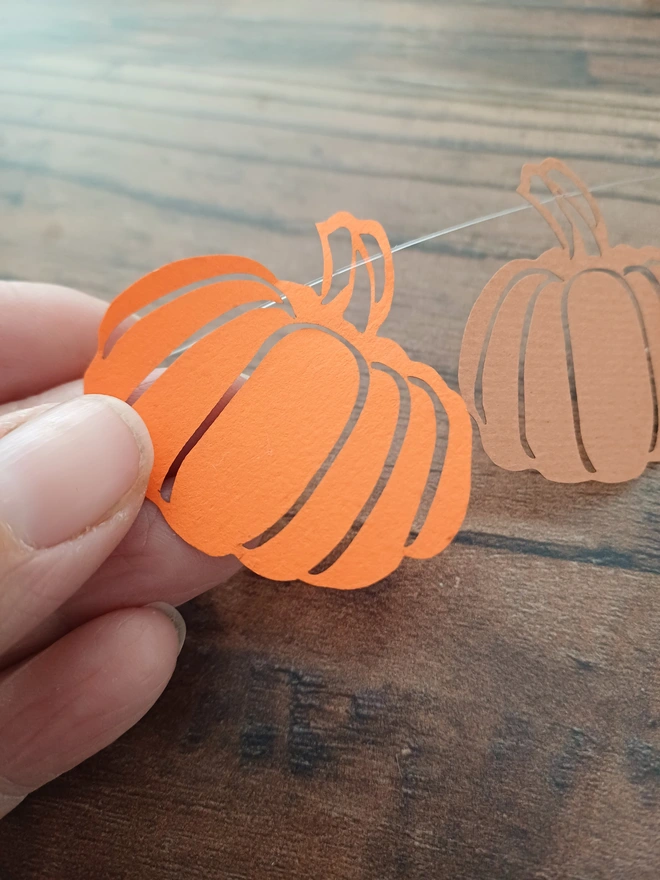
(561, 355)
(246, 474)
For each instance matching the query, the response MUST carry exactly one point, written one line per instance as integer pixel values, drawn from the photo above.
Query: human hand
(81, 552)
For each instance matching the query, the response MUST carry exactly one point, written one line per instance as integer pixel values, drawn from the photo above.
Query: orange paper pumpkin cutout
(323, 391)
(561, 355)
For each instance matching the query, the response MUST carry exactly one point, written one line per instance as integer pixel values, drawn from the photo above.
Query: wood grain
(493, 713)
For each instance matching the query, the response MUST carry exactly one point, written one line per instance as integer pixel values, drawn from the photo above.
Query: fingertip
(145, 644)
(81, 694)
(135, 423)
(174, 618)
(68, 468)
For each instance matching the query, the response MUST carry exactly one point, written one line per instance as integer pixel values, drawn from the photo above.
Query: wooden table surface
(493, 713)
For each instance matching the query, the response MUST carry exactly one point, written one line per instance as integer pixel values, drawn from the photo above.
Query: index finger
(48, 336)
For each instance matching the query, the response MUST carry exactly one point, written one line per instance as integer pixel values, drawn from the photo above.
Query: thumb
(72, 480)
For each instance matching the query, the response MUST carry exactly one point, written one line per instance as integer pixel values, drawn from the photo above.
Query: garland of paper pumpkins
(299, 474)
(320, 410)
(560, 360)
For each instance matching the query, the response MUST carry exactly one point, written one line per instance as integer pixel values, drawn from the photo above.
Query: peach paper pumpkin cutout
(255, 461)
(561, 355)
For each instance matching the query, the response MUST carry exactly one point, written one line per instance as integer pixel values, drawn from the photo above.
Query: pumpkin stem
(578, 205)
(381, 302)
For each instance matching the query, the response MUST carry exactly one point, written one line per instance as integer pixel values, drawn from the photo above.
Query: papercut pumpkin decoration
(561, 355)
(320, 412)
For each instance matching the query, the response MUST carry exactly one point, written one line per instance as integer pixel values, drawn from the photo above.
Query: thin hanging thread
(467, 224)
(617, 184)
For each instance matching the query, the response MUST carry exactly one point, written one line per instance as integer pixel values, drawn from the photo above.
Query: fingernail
(66, 469)
(10, 421)
(175, 618)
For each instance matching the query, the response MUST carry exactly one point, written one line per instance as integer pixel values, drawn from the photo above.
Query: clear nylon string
(617, 184)
(467, 224)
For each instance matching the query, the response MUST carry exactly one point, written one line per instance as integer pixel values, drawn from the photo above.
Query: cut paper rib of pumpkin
(561, 355)
(336, 458)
